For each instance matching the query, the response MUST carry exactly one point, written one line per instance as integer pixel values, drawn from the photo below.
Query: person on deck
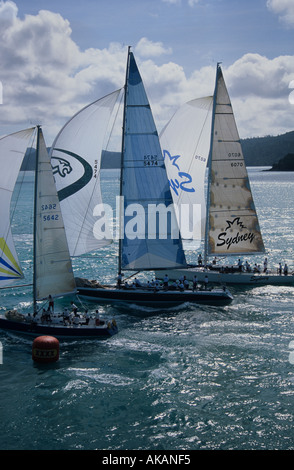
(205, 282)
(265, 265)
(74, 308)
(51, 304)
(195, 282)
(165, 281)
(119, 280)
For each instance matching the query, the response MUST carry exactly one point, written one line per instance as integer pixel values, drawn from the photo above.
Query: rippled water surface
(184, 378)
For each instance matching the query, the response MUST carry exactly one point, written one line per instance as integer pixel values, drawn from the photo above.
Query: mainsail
(185, 143)
(53, 273)
(232, 223)
(76, 158)
(12, 150)
(151, 238)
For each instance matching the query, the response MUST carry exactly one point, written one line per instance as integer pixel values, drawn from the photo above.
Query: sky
(58, 56)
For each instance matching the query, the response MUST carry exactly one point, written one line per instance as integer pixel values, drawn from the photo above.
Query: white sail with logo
(53, 274)
(76, 158)
(12, 151)
(232, 223)
(185, 144)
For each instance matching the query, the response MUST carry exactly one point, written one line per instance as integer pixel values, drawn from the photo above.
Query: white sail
(53, 269)
(232, 222)
(12, 150)
(76, 158)
(185, 144)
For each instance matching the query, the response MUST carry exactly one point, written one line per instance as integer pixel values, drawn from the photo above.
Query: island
(284, 164)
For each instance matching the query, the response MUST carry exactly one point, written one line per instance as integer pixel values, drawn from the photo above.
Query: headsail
(232, 223)
(53, 270)
(145, 187)
(12, 150)
(75, 158)
(185, 143)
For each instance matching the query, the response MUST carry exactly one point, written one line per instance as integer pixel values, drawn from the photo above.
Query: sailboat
(52, 268)
(230, 226)
(144, 244)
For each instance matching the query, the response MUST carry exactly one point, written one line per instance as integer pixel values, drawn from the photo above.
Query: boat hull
(58, 331)
(231, 278)
(156, 297)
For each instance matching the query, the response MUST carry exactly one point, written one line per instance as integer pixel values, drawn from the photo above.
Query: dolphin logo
(63, 168)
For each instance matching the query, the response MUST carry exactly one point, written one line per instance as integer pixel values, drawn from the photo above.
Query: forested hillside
(258, 151)
(265, 151)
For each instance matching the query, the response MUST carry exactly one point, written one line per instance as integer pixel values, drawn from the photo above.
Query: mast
(35, 221)
(209, 166)
(121, 228)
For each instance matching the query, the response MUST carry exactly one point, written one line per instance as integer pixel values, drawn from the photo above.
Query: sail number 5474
(150, 160)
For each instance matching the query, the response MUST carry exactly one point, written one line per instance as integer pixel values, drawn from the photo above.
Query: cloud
(259, 89)
(47, 78)
(191, 3)
(283, 8)
(172, 2)
(146, 48)
(8, 13)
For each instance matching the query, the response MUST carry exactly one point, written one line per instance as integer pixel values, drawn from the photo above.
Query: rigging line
(17, 192)
(22, 177)
(207, 116)
(93, 191)
(115, 117)
(82, 304)
(14, 287)
(200, 135)
(131, 275)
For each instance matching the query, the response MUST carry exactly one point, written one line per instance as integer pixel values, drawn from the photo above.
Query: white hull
(233, 278)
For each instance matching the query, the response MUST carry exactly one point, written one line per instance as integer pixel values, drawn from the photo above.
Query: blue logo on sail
(184, 180)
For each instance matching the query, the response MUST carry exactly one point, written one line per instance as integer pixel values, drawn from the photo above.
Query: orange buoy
(45, 349)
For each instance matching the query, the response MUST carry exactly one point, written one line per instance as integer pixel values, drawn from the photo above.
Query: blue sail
(151, 237)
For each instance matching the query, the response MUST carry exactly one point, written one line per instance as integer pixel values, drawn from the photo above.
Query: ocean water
(186, 378)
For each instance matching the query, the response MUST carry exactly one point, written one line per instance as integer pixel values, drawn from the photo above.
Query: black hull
(156, 298)
(35, 330)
